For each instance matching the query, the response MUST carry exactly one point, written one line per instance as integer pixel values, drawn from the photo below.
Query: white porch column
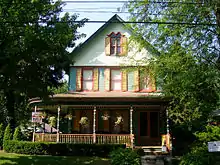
(94, 125)
(58, 123)
(168, 126)
(131, 127)
(35, 110)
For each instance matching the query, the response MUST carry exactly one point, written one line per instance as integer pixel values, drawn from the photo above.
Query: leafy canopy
(187, 35)
(34, 41)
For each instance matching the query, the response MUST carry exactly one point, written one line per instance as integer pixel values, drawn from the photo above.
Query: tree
(62, 89)
(1, 135)
(187, 67)
(33, 49)
(7, 134)
(17, 134)
(194, 24)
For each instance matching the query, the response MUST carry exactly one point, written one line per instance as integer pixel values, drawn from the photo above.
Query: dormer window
(116, 44)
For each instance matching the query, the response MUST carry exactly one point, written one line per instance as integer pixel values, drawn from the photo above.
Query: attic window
(116, 44)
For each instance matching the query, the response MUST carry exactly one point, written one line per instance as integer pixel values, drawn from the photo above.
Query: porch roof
(93, 97)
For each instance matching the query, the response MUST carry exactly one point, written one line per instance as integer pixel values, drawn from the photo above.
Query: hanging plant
(105, 116)
(43, 115)
(84, 121)
(69, 116)
(119, 120)
(52, 121)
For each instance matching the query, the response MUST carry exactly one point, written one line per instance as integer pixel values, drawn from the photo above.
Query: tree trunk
(10, 106)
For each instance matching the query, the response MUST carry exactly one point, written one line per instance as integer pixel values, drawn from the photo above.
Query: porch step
(155, 150)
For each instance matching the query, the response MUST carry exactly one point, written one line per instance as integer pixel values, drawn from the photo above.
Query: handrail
(86, 138)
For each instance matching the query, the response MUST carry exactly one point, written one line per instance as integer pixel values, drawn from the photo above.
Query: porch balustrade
(86, 138)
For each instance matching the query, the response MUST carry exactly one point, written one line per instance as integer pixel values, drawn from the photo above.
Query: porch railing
(86, 138)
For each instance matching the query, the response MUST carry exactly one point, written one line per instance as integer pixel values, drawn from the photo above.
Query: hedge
(125, 156)
(64, 149)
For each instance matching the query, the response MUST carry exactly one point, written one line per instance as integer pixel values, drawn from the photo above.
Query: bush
(8, 133)
(67, 149)
(125, 156)
(198, 156)
(1, 135)
(17, 134)
(139, 151)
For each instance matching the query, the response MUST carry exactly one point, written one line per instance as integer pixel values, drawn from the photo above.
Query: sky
(94, 12)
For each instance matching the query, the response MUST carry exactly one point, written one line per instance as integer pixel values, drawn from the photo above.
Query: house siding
(72, 79)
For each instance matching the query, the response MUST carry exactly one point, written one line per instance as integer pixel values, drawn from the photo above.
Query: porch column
(58, 123)
(94, 125)
(35, 110)
(168, 126)
(131, 127)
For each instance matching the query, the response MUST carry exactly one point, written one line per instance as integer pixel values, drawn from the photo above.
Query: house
(110, 98)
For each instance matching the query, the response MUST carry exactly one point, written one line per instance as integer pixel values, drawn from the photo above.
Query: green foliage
(1, 135)
(201, 40)
(139, 151)
(49, 148)
(187, 68)
(199, 154)
(124, 156)
(63, 88)
(35, 43)
(17, 134)
(8, 133)
(211, 133)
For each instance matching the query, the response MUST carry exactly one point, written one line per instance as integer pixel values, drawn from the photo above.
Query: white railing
(86, 138)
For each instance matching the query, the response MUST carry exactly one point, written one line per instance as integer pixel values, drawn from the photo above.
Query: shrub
(1, 135)
(123, 156)
(199, 154)
(8, 133)
(139, 151)
(68, 149)
(17, 134)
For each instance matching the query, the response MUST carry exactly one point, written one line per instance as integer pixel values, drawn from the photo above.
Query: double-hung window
(115, 43)
(116, 78)
(87, 79)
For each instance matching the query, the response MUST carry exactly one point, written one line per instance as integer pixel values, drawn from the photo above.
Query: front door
(148, 128)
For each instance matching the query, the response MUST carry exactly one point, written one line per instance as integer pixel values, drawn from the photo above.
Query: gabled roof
(114, 19)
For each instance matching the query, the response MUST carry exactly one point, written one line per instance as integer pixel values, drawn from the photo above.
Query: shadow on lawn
(14, 159)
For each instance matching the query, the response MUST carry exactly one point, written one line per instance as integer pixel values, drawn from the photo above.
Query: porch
(109, 120)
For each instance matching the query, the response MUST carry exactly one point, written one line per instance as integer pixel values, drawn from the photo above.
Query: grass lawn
(9, 159)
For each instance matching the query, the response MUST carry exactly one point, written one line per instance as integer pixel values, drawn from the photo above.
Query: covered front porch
(104, 120)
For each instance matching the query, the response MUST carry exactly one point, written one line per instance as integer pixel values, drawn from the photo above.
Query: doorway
(148, 128)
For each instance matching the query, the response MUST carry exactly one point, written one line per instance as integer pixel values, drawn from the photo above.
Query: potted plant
(105, 116)
(119, 120)
(43, 115)
(84, 121)
(69, 116)
(52, 121)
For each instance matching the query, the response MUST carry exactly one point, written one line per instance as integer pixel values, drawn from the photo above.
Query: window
(144, 81)
(87, 80)
(147, 81)
(116, 44)
(116, 80)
